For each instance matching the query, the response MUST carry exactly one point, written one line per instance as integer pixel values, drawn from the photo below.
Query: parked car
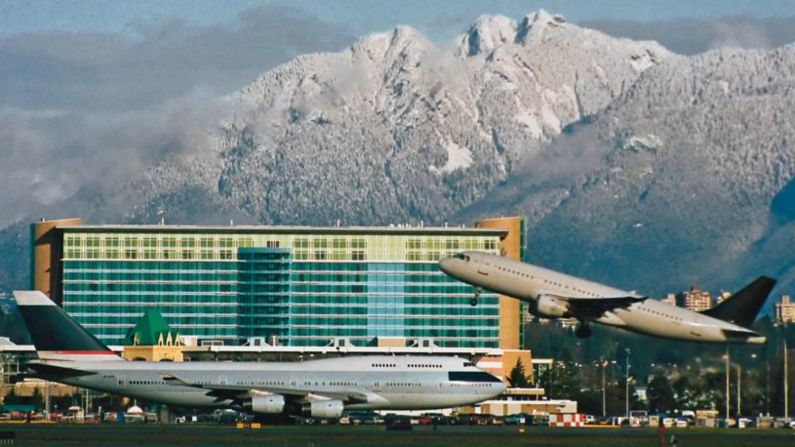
(424, 420)
(398, 422)
(365, 418)
(472, 419)
(438, 418)
(745, 423)
(515, 419)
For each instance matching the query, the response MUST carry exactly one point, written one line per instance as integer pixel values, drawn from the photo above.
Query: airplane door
(376, 386)
(121, 382)
(482, 268)
(695, 330)
(223, 380)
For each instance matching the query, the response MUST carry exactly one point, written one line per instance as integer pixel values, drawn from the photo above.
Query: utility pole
(739, 388)
(604, 391)
(786, 379)
(767, 384)
(727, 382)
(626, 384)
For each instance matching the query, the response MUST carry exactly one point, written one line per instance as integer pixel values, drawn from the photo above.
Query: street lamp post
(739, 388)
(626, 383)
(786, 371)
(727, 382)
(604, 391)
(786, 379)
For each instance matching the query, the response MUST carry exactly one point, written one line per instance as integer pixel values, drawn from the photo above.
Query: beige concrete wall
(391, 342)
(47, 253)
(501, 365)
(153, 353)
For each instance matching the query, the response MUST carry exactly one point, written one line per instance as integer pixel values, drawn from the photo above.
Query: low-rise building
(695, 299)
(785, 310)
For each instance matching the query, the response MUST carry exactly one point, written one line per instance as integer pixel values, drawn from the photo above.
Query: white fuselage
(396, 383)
(528, 282)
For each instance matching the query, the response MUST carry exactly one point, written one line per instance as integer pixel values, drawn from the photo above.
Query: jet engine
(328, 409)
(273, 403)
(547, 306)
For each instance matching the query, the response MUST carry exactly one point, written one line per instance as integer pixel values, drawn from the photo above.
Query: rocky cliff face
(397, 129)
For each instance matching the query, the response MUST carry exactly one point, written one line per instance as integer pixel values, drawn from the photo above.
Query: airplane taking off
(557, 295)
(323, 388)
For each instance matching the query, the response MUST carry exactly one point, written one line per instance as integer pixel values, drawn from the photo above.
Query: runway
(156, 435)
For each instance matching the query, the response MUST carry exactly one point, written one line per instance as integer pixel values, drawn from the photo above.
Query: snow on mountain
(633, 165)
(395, 128)
(673, 181)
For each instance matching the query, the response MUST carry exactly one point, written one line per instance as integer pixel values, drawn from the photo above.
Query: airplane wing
(596, 307)
(46, 370)
(240, 393)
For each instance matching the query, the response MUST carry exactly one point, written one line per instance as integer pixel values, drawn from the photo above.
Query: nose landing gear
(474, 301)
(583, 330)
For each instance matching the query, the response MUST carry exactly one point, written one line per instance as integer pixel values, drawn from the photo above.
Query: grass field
(318, 436)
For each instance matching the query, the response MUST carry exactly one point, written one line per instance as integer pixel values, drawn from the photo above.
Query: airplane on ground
(557, 295)
(69, 354)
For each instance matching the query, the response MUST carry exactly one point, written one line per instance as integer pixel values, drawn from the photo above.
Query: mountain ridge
(633, 165)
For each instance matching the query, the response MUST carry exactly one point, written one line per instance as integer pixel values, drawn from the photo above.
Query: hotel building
(288, 285)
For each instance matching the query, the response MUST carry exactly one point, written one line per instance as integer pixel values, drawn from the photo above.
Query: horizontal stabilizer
(742, 307)
(47, 371)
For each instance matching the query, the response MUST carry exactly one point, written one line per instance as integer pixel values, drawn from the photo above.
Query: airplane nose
(498, 389)
(444, 264)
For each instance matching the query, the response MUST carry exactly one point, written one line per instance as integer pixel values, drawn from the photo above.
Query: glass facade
(301, 288)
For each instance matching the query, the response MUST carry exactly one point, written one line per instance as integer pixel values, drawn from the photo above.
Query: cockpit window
(471, 376)
(461, 256)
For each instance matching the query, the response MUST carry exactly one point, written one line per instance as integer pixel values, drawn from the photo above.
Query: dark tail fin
(56, 335)
(742, 307)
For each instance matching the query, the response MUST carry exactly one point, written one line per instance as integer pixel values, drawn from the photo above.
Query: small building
(695, 299)
(525, 400)
(152, 339)
(785, 310)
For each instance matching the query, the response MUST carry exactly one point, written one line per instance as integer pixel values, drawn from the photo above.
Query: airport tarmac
(155, 435)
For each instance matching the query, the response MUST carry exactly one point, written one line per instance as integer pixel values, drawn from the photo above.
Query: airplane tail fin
(742, 307)
(56, 335)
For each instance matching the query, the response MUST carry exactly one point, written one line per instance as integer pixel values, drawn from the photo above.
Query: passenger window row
(146, 382)
(546, 281)
(662, 314)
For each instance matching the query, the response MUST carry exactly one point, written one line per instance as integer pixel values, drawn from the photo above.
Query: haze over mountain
(665, 173)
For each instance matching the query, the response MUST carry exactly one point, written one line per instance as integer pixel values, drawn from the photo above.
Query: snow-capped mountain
(634, 165)
(677, 178)
(396, 128)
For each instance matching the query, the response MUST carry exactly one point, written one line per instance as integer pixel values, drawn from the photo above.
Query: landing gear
(583, 330)
(474, 301)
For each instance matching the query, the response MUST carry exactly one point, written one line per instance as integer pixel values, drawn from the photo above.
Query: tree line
(675, 375)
